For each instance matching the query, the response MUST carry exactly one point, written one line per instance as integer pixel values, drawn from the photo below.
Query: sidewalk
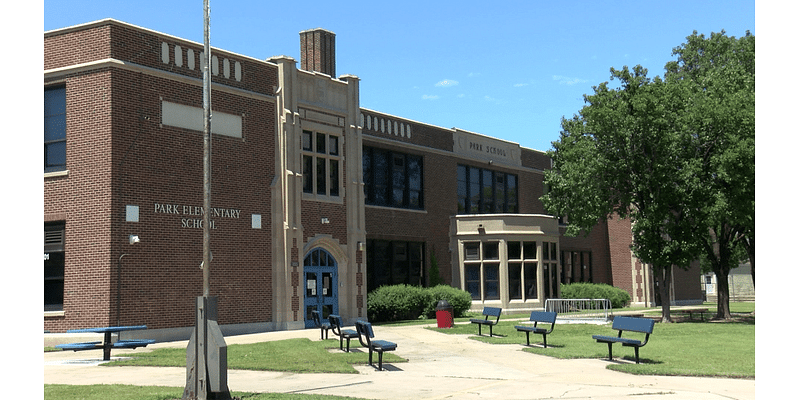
(439, 367)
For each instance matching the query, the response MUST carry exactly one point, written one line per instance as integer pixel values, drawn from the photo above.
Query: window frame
(479, 191)
(321, 163)
(393, 179)
(55, 118)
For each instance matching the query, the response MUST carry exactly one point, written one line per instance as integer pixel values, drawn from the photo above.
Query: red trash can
(444, 314)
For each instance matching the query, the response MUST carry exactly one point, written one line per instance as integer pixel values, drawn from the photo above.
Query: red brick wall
(119, 154)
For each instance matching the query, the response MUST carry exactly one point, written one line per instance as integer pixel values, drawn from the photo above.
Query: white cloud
(521, 84)
(447, 83)
(565, 80)
(429, 97)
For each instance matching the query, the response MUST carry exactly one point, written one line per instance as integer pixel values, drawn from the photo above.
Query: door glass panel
(327, 282)
(311, 284)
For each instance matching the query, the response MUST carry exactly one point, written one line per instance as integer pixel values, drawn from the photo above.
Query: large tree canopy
(666, 154)
(720, 70)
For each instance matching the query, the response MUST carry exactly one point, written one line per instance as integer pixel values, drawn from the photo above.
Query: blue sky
(509, 69)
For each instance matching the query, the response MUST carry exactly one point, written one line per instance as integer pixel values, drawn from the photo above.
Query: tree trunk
(723, 294)
(665, 276)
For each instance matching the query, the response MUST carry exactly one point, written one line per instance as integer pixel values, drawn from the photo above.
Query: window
(392, 179)
(522, 266)
(321, 162)
(483, 191)
(394, 263)
(55, 129)
(482, 270)
(54, 266)
(576, 266)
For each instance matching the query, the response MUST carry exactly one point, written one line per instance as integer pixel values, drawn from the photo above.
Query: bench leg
(380, 361)
(479, 329)
(636, 350)
(107, 346)
(490, 330)
(609, 351)
(544, 337)
(528, 337)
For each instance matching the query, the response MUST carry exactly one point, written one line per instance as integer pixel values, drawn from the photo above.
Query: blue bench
(547, 317)
(336, 328)
(628, 324)
(323, 326)
(106, 345)
(488, 312)
(365, 335)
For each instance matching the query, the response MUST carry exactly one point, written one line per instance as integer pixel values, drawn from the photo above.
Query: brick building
(315, 200)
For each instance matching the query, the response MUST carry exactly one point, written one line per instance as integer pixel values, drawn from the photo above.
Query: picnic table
(107, 343)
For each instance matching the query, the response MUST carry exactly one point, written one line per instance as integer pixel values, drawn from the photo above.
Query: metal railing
(579, 309)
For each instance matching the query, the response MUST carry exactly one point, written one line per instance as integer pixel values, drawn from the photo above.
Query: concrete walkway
(440, 367)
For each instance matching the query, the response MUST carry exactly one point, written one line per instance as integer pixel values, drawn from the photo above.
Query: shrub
(582, 290)
(395, 303)
(460, 300)
(405, 302)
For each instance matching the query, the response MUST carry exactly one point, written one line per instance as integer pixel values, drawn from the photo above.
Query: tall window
(482, 270)
(55, 129)
(321, 159)
(522, 265)
(54, 266)
(483, 191)
(576, 266)
(392, 179)
(393, 263)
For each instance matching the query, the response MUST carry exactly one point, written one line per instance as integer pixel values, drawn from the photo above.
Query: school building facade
(315, 200)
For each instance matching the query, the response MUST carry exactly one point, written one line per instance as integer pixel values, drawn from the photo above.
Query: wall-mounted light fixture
(325, 220)
(362, 246)
(133, 239)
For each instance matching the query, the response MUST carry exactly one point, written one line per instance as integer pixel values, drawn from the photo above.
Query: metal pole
(206, 151)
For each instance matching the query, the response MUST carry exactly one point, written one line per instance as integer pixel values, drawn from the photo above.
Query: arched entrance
(321, 277)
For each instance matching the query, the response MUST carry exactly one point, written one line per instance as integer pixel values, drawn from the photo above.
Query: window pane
(462, 189)
(334, 177)
(529, 250)
(55, 156)
(499, 192)
(487, 195)
(472, 251)
(474, 191)
(333, 145)
(511, 193)
(321, 186)
(55, 127)
(307, 140)
(321, 143)
(398, 180)
(514, 250)
(308, 174)
(515, 281)
(491, 281)
(381, 176)
(400, 263)
(366, 164)
(491, 251)
(531, 291)
(472, 274)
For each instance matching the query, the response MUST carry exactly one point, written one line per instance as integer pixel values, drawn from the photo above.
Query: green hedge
(406, 302)
(582, 290)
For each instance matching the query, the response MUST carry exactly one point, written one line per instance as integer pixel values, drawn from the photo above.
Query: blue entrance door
(319, 269)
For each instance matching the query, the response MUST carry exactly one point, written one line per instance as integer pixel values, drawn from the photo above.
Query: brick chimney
(318, 51)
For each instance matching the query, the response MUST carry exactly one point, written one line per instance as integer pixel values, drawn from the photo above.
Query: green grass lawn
(692, 348)
(718, 349)
(291, 355)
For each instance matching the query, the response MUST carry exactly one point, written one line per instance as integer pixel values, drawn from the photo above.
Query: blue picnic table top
(108, 329)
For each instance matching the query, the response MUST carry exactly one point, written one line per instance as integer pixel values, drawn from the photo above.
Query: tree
(720, 74)
(626, 155)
